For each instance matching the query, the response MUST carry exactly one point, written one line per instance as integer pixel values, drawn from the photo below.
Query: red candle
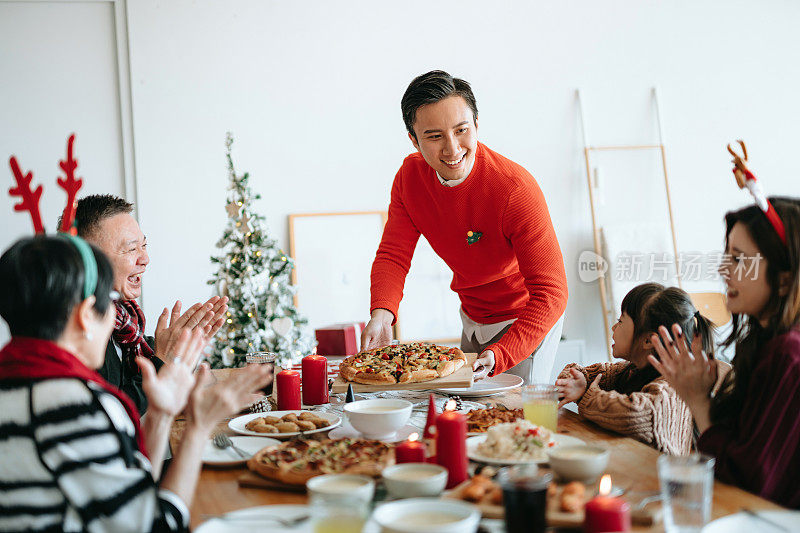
(604, 513)
(410, 451)
(315, 380)
(451, 444)
(288, 388)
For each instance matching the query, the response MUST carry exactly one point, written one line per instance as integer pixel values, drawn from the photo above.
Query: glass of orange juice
(540, 404)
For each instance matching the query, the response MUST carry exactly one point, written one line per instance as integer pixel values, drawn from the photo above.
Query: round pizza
(402, 363)
(296, 461)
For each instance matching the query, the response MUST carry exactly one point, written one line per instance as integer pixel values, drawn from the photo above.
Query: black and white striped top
(69, 462)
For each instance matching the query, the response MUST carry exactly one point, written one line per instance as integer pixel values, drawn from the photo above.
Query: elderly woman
(72, 454)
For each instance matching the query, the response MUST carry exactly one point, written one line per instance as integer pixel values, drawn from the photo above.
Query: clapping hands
(207, 318)
(168, 390)
(687, 369)
(571, 388)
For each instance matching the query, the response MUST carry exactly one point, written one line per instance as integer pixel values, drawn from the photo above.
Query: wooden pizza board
(253, 480)
(462, 378)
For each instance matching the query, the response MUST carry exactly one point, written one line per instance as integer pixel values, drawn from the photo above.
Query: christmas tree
(254, 273)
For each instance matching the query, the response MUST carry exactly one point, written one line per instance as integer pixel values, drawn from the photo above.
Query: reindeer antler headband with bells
(746, 179)
(29, 198)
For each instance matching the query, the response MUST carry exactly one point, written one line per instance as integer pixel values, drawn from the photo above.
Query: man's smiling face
(125, 245)
(447, 137)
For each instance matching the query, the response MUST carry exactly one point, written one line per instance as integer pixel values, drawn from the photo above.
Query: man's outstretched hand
(378, 332)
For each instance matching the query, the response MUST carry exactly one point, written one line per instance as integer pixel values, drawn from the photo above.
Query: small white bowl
(579, 462)
(341, 486)
(414, 480)
(431, 515)
(378, 419)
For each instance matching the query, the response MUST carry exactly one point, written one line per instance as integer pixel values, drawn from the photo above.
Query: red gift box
(339, 339)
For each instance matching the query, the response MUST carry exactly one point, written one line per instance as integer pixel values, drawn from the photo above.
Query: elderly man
(106, 222)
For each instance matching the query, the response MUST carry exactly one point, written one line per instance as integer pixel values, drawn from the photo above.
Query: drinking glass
(540, 404)
(524, 498)
(264, 358)
(340, 503)
(687, 485)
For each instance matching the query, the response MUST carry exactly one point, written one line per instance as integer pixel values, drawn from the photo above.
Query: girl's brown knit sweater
(655, 415)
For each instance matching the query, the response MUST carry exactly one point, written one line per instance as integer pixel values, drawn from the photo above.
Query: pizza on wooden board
(296, 461)
(402, 363)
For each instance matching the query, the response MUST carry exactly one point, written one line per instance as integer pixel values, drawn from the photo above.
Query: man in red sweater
(486, 217)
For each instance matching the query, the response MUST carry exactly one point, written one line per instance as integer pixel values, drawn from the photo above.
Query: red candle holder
(287, 383)
(410, 451)
(451, 444)
(604, 513)
(315, 380)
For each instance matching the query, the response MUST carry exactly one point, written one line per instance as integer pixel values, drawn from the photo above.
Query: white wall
(58, 76)
(311, 91)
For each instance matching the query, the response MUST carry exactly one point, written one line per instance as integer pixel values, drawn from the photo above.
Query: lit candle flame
(450, 406)
(413, 437)
(605, 485)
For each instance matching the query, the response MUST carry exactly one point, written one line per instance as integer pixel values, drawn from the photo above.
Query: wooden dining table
(632, 466)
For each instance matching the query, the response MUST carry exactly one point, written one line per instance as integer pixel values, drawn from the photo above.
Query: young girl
(751, 425)
(631, 397)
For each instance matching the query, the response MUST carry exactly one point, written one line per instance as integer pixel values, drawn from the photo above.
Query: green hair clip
(89, 263)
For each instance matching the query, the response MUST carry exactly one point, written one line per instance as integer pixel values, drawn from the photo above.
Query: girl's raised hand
(571, 388)
(687, 369)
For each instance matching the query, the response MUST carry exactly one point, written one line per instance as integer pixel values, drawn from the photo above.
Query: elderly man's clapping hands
(207, 317)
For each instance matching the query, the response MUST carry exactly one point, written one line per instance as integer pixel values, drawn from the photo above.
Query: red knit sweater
(514, 270)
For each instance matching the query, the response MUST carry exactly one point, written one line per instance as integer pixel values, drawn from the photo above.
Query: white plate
(744, 523)
(347, 431)
(228, 457)
(253, 520)
(487, 386)
(472, 450)
(238, 424)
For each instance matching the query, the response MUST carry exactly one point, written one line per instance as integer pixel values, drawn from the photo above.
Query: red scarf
(37, 359)
(129, 333)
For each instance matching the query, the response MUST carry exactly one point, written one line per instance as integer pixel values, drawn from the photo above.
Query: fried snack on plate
(287, 427)
(305, 425)
(480, 420)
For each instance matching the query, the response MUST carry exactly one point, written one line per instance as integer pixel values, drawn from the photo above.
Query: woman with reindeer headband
(751, 424)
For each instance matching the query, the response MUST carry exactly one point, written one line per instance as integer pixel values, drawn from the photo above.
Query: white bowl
(579, 462)
(413, 480)
(341, 486)
(431, 515)
(378, 419)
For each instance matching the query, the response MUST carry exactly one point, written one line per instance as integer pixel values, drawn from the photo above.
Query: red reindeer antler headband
(746, 179)
(29, 198)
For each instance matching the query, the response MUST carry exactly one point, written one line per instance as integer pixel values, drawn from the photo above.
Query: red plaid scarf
(129, 332)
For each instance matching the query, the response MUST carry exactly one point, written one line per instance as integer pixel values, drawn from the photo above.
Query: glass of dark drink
(524, 498)
(263, 358)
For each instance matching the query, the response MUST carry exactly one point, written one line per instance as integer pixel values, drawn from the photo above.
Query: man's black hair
(41, 280)
(430, 88)
(90, 211)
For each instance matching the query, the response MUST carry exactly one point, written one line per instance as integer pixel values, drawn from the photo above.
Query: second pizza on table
(402, 363)
(297, 461)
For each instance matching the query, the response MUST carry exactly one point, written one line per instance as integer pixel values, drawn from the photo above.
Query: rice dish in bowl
(518, 441)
